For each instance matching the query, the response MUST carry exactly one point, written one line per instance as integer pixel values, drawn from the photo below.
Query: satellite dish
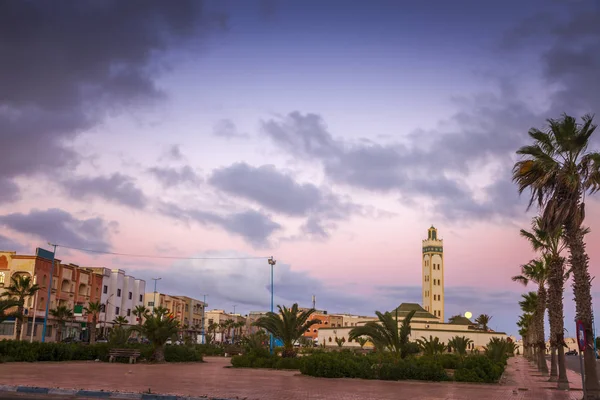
(468, 314)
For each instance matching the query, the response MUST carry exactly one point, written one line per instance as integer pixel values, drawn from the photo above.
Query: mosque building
(428, 319)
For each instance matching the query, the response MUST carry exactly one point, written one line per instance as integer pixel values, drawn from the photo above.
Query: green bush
(450, 361)
(11, 350)
(479, 368)
(210, 349)
(256, 359)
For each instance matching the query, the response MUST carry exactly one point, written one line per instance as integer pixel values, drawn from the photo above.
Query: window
(118, 292)
(128, 312)
(7, 329)
(48, 330)
(44, 280)
(130, 295)
(105, 289)
(117, 311)
(141, 298)
(150, 304)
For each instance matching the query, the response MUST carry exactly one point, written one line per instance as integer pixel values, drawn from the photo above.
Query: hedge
(11, 350)
(254, 360)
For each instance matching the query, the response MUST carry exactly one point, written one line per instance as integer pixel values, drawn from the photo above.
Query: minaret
(433, 274)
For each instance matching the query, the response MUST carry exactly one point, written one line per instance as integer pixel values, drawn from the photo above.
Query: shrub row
(253, 360)
(11, 350)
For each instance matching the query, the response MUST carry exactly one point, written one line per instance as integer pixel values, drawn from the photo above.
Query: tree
(385, 333)
(460, 344)
(362, 341)
(5, 305)
(431, 346)
(483, 320)
(340, 341)
(61, 314)
(527, 323)
(158, 327)
(21, 287)
(93, 309)
(453, 318)
(212, 330)
(559, 170)
(289, 325)
(551, 245)
(140, 312)
(536, 271)
(120, 321)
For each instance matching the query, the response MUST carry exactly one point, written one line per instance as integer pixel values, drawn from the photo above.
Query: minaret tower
(433, 274)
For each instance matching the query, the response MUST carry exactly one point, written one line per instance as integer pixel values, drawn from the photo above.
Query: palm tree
(93, 308)
(61, 314)
(158, 327)
(140, 312)
(340, 341)
(120, 321)
(385, 333)
(289, 325)
(212, 328)
(528, 322)
(5, 305)
(483, 320)
(454, 318)
(21, 287)
(431, 346)
(551, 244)
(362, 341)
(536, 271)
(559, 170)
(460, 344)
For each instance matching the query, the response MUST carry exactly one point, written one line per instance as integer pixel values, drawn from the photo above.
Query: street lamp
(106, 304)
(234, 306)
(272, 263)
(49, 293)
(154, 302)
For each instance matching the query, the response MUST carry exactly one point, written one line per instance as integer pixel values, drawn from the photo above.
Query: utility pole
(50, 282)
(154, 302)
(272, 263)
(203, 311)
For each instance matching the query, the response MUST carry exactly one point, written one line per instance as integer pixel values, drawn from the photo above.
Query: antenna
(314, 301)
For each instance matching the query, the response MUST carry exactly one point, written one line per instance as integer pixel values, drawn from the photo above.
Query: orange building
(327, 321)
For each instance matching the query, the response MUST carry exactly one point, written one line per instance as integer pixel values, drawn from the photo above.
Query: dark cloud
(58, 226)
(116, 188)
(415, 170)
(8, 244)
(9, 191)
(225, 128)
(279, 192)
(174, 153)
(170, 176)
(254, 226)
(66, 64)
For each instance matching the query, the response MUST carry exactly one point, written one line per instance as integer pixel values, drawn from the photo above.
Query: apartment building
(219, 317)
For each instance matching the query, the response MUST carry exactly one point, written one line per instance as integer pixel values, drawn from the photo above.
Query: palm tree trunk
(19, 322)
(556, 317)
(93, 330)
(159, 353)
(59, 332)
(553, 366)
(583, 303)
(541, 343)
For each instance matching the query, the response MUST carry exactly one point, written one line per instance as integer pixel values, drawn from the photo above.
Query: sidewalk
(211, 379)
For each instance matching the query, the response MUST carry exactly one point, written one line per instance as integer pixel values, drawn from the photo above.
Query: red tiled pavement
(213, 380)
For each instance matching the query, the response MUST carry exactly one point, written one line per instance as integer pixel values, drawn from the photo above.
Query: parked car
(571, 353)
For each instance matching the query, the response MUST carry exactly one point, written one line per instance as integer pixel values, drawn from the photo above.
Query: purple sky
(329, 135)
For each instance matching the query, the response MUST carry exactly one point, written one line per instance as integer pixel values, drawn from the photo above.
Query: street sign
(43, 253)
(581, 339)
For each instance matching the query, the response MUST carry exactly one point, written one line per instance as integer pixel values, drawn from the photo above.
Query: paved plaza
(212, 379)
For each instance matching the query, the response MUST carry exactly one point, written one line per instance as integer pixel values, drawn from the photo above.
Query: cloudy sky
(329, 135)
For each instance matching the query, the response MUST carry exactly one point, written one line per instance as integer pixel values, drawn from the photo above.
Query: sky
(328, 135)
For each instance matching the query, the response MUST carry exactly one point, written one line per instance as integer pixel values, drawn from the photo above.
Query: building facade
(433, 274)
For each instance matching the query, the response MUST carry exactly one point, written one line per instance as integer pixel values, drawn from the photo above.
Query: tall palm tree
(61, 314)
(551, 244)
(93, 308)
(536, 271)
(385, 333)
(289, 325)
(158, 327)
(21, 287)
(211, 330)
(5, 305)
(120, 321)
(483, 320)
(528, 322)
(431, 346)
(559, 170)
(140, 312)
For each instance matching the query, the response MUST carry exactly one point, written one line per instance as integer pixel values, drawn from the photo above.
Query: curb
(99, 393)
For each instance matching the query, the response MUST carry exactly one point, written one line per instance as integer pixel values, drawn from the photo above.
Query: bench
(132, 354)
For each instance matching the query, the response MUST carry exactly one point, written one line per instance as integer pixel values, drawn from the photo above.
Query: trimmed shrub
(210, 350)
(450, 361)
(259, 360)
(479, 368)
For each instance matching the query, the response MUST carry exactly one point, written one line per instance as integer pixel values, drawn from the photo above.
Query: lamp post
(49, 293)
(203, 311)
(104, 335)
(154, 302)
(35, 298)
(272, 263)
(234, 306)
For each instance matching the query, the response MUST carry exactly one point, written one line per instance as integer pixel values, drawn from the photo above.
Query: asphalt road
(573, 364)
(28, 396)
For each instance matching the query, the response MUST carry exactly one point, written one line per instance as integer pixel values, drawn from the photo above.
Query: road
(29, 396)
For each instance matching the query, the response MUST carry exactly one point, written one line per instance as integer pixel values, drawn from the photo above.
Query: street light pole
(51, 280)
(203, 311)
(272, 263)
(154, 302)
